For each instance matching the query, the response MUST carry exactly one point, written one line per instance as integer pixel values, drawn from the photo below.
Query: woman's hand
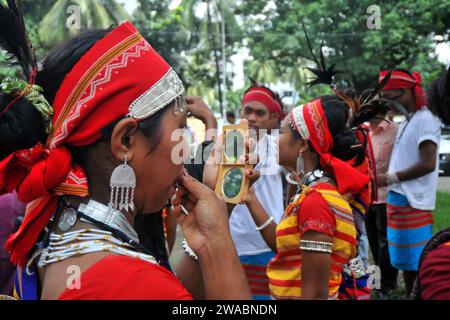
(253, 175)
(207, 221)
(211, 169)
(206, 230)
(197, 108)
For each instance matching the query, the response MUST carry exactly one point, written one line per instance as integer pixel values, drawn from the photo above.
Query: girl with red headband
(88, 147)
(316, 236)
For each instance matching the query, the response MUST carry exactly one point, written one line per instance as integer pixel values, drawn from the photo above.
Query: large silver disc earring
(123, 182)
(300, 166)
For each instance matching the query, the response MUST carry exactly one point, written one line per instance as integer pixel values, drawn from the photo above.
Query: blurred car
(444, 155)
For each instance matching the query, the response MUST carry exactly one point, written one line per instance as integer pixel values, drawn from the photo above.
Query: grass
(441, 221)
(442, 212)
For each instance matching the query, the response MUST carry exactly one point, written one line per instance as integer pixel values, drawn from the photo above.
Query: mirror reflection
(234, 145)
(232, 183)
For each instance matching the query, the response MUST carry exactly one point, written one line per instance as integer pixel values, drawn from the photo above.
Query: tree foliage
(406, 38)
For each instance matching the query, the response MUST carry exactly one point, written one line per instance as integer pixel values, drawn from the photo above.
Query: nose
(251, 118)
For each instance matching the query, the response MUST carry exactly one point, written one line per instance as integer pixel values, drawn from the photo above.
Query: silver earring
(123, 182)
(300, 165)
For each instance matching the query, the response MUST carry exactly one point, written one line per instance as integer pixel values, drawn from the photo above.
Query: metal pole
(224, 65)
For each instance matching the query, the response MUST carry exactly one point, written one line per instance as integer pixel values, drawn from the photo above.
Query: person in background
(382, 134)
(231, 117)
(249, 228)
(316, 237)
(11, 208)
(412, 175)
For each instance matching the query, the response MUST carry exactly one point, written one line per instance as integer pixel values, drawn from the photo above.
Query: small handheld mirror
(232, 183)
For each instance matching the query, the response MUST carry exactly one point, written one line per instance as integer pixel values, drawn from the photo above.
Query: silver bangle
(265, 224)
(316, 246)
(392, 178)
(188, 249)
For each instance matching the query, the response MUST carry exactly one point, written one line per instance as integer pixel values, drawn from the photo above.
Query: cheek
(284, 148)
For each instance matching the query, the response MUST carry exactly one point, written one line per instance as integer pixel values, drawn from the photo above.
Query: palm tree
(218, 20)
(93, 14)
(298, 76)
(262, 71)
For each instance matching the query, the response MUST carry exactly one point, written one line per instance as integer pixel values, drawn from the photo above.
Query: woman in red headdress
(316, 236)
(86, 142)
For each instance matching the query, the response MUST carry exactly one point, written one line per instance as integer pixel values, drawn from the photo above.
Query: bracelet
(188, 249)
(316, 246)
(265, 224)
(291, 180)
(392, 178)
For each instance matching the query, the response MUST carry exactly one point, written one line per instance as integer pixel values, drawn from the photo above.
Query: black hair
(21, 126)
(231, 114)
(150, 230)
(438, 97)
(346, 145)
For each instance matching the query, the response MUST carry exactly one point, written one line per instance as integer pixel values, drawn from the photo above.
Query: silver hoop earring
(122, 184)
(300, 166)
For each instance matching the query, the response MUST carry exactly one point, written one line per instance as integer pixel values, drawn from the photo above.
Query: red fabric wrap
(98, 90)
(348, 179)
(402, 80)
(264, 96)
(434, 274)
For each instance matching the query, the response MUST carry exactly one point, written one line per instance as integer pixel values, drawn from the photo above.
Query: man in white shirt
(412, 175)
(262, 109)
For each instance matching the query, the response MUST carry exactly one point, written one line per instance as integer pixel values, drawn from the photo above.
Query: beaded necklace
(79, 242)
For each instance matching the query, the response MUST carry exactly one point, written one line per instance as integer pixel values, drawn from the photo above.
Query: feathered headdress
(14, 40)
(323, 74)
(361, 109)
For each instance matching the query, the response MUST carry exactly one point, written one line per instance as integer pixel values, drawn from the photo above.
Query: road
(444, 184)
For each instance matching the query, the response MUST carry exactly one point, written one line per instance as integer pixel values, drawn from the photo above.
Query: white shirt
(269, 190)
(423, 126)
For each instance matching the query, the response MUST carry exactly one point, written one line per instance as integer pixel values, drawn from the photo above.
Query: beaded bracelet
(316, 246)
(188, 249)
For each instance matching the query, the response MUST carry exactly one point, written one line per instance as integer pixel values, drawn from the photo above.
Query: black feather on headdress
(323, 74)
(13, 36)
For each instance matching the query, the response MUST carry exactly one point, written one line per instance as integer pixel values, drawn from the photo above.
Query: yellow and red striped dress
(284, 270)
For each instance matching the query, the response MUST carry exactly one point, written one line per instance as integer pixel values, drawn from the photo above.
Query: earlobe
(123, 139)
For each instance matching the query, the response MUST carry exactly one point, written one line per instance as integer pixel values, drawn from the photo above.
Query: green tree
(406, 38)
(207, 31)
(93, 14)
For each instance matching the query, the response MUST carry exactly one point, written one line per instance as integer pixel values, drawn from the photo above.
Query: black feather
(13, 36)
(438, 97)
(376, 91)
(323, 75)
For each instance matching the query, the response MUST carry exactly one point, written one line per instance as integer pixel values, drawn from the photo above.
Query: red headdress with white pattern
(310, 122)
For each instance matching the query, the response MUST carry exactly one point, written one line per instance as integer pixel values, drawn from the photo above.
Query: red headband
(402, 80)
(311, 123)
(264, 96)
(121, 74)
